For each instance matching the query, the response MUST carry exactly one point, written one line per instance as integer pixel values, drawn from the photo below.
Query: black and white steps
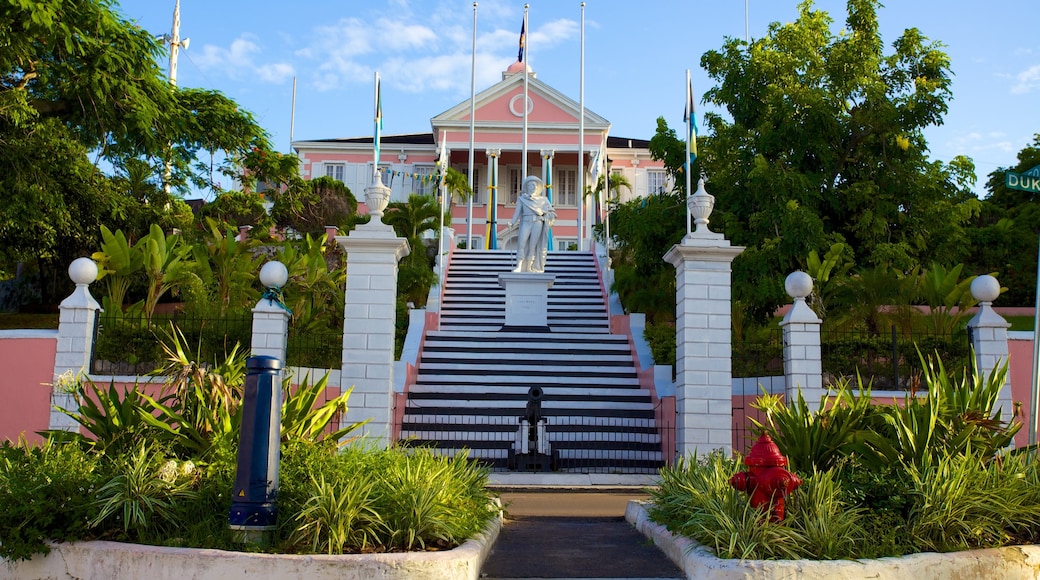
(472, 383)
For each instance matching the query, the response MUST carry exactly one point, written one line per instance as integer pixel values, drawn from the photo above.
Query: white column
(76, 323)
(988, 332)
(803, 358)
(703, 333)
(270, 318)
(373, 252)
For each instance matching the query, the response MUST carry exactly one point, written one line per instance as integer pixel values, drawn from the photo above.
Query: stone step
(559, 392)
(554, 413)
(513, 432)
(544, 381)
(425, 400)
(559, 423)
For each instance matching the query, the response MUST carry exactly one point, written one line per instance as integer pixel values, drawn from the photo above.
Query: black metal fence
(761, 355)
(314, 347)
(890, 360)
(132, 344)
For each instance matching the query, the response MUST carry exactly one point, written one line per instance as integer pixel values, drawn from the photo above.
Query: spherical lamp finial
(798, 285)
(985, 288)
(83, 271)
(274, 274)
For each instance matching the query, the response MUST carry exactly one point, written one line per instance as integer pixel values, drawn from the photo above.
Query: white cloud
(414, 55)
(238, 61)
(1028, 81)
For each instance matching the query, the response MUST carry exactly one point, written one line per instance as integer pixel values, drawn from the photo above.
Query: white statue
(534, 215)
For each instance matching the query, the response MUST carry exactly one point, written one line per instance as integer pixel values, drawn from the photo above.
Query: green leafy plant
(46, 493)
(964, 501)
(696, 500)
(112, 417)
(337, 516)
(304, 420)
(817, 440)
(142, 494)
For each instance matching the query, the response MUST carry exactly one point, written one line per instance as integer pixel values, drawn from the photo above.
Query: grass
(20, 321)
(1020, 322)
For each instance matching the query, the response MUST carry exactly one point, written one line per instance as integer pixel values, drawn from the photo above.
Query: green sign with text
(1028, 181)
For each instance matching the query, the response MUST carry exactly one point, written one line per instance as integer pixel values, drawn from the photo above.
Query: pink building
(553, 119)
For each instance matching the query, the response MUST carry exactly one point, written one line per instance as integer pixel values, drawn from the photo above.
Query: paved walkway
(573, 534)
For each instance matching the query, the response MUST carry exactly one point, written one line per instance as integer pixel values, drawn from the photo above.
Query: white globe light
(83, 271)
(798, 284)
(985, 288)
(274, 274)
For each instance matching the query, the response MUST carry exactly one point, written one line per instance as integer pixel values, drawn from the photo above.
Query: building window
(424, 181)
(479, 188)
(565, 188)
(478, 241)
(655, 182)
(565, 244)
(513, 191)
(335, 171)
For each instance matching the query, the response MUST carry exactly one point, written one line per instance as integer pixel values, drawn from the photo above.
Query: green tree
(410, 219)
(81, 84)
(309, 206)
(826, 145)
(457, 185)
(238, 208)
(1004, 239)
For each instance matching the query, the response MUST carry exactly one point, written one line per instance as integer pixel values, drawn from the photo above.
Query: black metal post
(254, 507)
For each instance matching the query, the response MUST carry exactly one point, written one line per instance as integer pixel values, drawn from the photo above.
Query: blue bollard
(254, 506)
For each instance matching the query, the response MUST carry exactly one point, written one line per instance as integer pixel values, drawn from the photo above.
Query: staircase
(473, 380)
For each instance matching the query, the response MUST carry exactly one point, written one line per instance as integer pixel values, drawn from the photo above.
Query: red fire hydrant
(766, 480)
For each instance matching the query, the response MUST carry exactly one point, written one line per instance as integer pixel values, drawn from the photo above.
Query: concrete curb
(1011, 563)
(132, 561)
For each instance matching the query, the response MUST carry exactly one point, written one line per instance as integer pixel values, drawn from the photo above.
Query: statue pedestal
(527, 297)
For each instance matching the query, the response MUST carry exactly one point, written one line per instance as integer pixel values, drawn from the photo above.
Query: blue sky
(636, 55)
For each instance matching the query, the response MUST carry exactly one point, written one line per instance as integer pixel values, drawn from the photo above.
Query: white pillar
(270, 318)
(703, 333)
(988, 332)
(373, 252)
(803, 359)
(76, 324)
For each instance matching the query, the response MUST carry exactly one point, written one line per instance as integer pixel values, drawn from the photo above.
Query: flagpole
(292, 115)
(581, 137)
(526, 58)
(472, 106)
(443, 191)
(689, 131)
(378, 121)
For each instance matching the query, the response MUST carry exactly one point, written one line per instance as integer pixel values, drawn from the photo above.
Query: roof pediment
(501, 106)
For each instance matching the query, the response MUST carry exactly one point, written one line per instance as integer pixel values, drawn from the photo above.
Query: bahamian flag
(523, 42)
(378, 122)
(690, 117)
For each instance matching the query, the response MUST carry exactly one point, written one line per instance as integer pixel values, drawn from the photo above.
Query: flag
(690, 118)
(378, 122)
(523, 42)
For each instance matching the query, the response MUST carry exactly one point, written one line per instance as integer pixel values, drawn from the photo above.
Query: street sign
(1028, 181)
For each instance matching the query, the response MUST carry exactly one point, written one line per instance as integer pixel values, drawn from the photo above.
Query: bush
(46, 493)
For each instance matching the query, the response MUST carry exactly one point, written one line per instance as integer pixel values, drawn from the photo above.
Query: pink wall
(1020, 353)
(28, 366)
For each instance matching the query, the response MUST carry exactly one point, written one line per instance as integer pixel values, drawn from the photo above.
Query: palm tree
(617, 181)
(410, 219)
(457, 185)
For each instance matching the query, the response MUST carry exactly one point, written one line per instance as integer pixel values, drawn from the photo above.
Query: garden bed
(1010, 563)
(117, 560)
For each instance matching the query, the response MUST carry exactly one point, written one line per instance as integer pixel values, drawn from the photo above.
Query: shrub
(46, 493)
